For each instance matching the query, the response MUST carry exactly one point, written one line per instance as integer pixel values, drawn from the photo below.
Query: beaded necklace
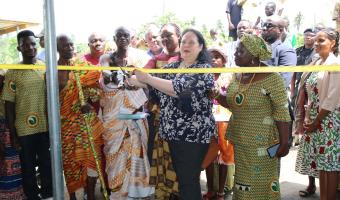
(239, 96)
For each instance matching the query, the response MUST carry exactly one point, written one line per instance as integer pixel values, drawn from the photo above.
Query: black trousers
(152, 135)
(233, 33)
(187, 158)
(35, 149)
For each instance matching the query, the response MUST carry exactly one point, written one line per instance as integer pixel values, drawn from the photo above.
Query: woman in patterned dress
(305, 147)
(305, 56)
(10, 168)
(260, 119)
(162, 173)
(322, 119)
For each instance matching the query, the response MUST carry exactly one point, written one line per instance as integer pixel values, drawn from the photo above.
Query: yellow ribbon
(308, 68)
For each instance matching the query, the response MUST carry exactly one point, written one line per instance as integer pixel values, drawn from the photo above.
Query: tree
(8, 51)
(10, 55)
(206, 34)
(81, 48)
(184, 24)
(167, 18)
(222, 30)
(298, 20)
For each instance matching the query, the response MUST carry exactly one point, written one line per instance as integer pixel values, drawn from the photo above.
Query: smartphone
(272, 150)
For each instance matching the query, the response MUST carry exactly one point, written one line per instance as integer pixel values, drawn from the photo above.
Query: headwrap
(256, 46)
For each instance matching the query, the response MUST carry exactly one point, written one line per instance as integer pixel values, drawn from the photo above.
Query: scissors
(126, 75)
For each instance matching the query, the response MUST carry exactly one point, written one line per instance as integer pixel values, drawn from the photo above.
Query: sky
(82, 17)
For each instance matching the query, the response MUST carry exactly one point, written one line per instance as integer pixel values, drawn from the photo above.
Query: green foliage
(167, 18)
(299, 40)
(184, 24)
(8, 50)
(171, 18)
(81, 48)
(206, 34)
(10, 55)
(224, 35)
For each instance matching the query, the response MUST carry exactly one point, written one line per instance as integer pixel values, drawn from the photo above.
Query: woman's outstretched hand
(133, 81)
(142, 76)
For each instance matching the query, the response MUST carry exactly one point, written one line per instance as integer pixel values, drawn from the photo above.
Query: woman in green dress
(260, 119)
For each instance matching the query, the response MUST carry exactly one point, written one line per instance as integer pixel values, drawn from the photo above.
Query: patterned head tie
(256, 46)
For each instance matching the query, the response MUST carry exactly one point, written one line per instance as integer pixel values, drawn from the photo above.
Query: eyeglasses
(267, 25)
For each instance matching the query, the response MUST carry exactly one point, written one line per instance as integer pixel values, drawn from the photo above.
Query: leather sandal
(307, 192)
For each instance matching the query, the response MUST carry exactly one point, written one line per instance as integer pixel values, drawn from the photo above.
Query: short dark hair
(203, 56)
(120, 28)
(308, 30)
(24, 33)
(177, 28)
(246, 20)
(271, 3)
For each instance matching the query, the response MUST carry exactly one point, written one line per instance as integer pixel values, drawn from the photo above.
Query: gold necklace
(239, 96)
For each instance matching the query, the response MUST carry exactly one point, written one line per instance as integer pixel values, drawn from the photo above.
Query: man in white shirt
(41, 54)
(244, 26)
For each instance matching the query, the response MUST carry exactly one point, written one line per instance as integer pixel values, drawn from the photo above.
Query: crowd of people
(149, 136)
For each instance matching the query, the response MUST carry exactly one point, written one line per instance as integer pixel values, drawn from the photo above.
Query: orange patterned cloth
(76, 149)
(226, 148)
(226, 154)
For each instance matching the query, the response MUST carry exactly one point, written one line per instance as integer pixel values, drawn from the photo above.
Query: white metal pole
(53, 100)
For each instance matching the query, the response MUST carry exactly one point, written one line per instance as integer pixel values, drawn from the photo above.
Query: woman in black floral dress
(186, 120)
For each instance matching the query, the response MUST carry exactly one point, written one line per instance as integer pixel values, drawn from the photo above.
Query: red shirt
(160, 60)
(89, 58)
